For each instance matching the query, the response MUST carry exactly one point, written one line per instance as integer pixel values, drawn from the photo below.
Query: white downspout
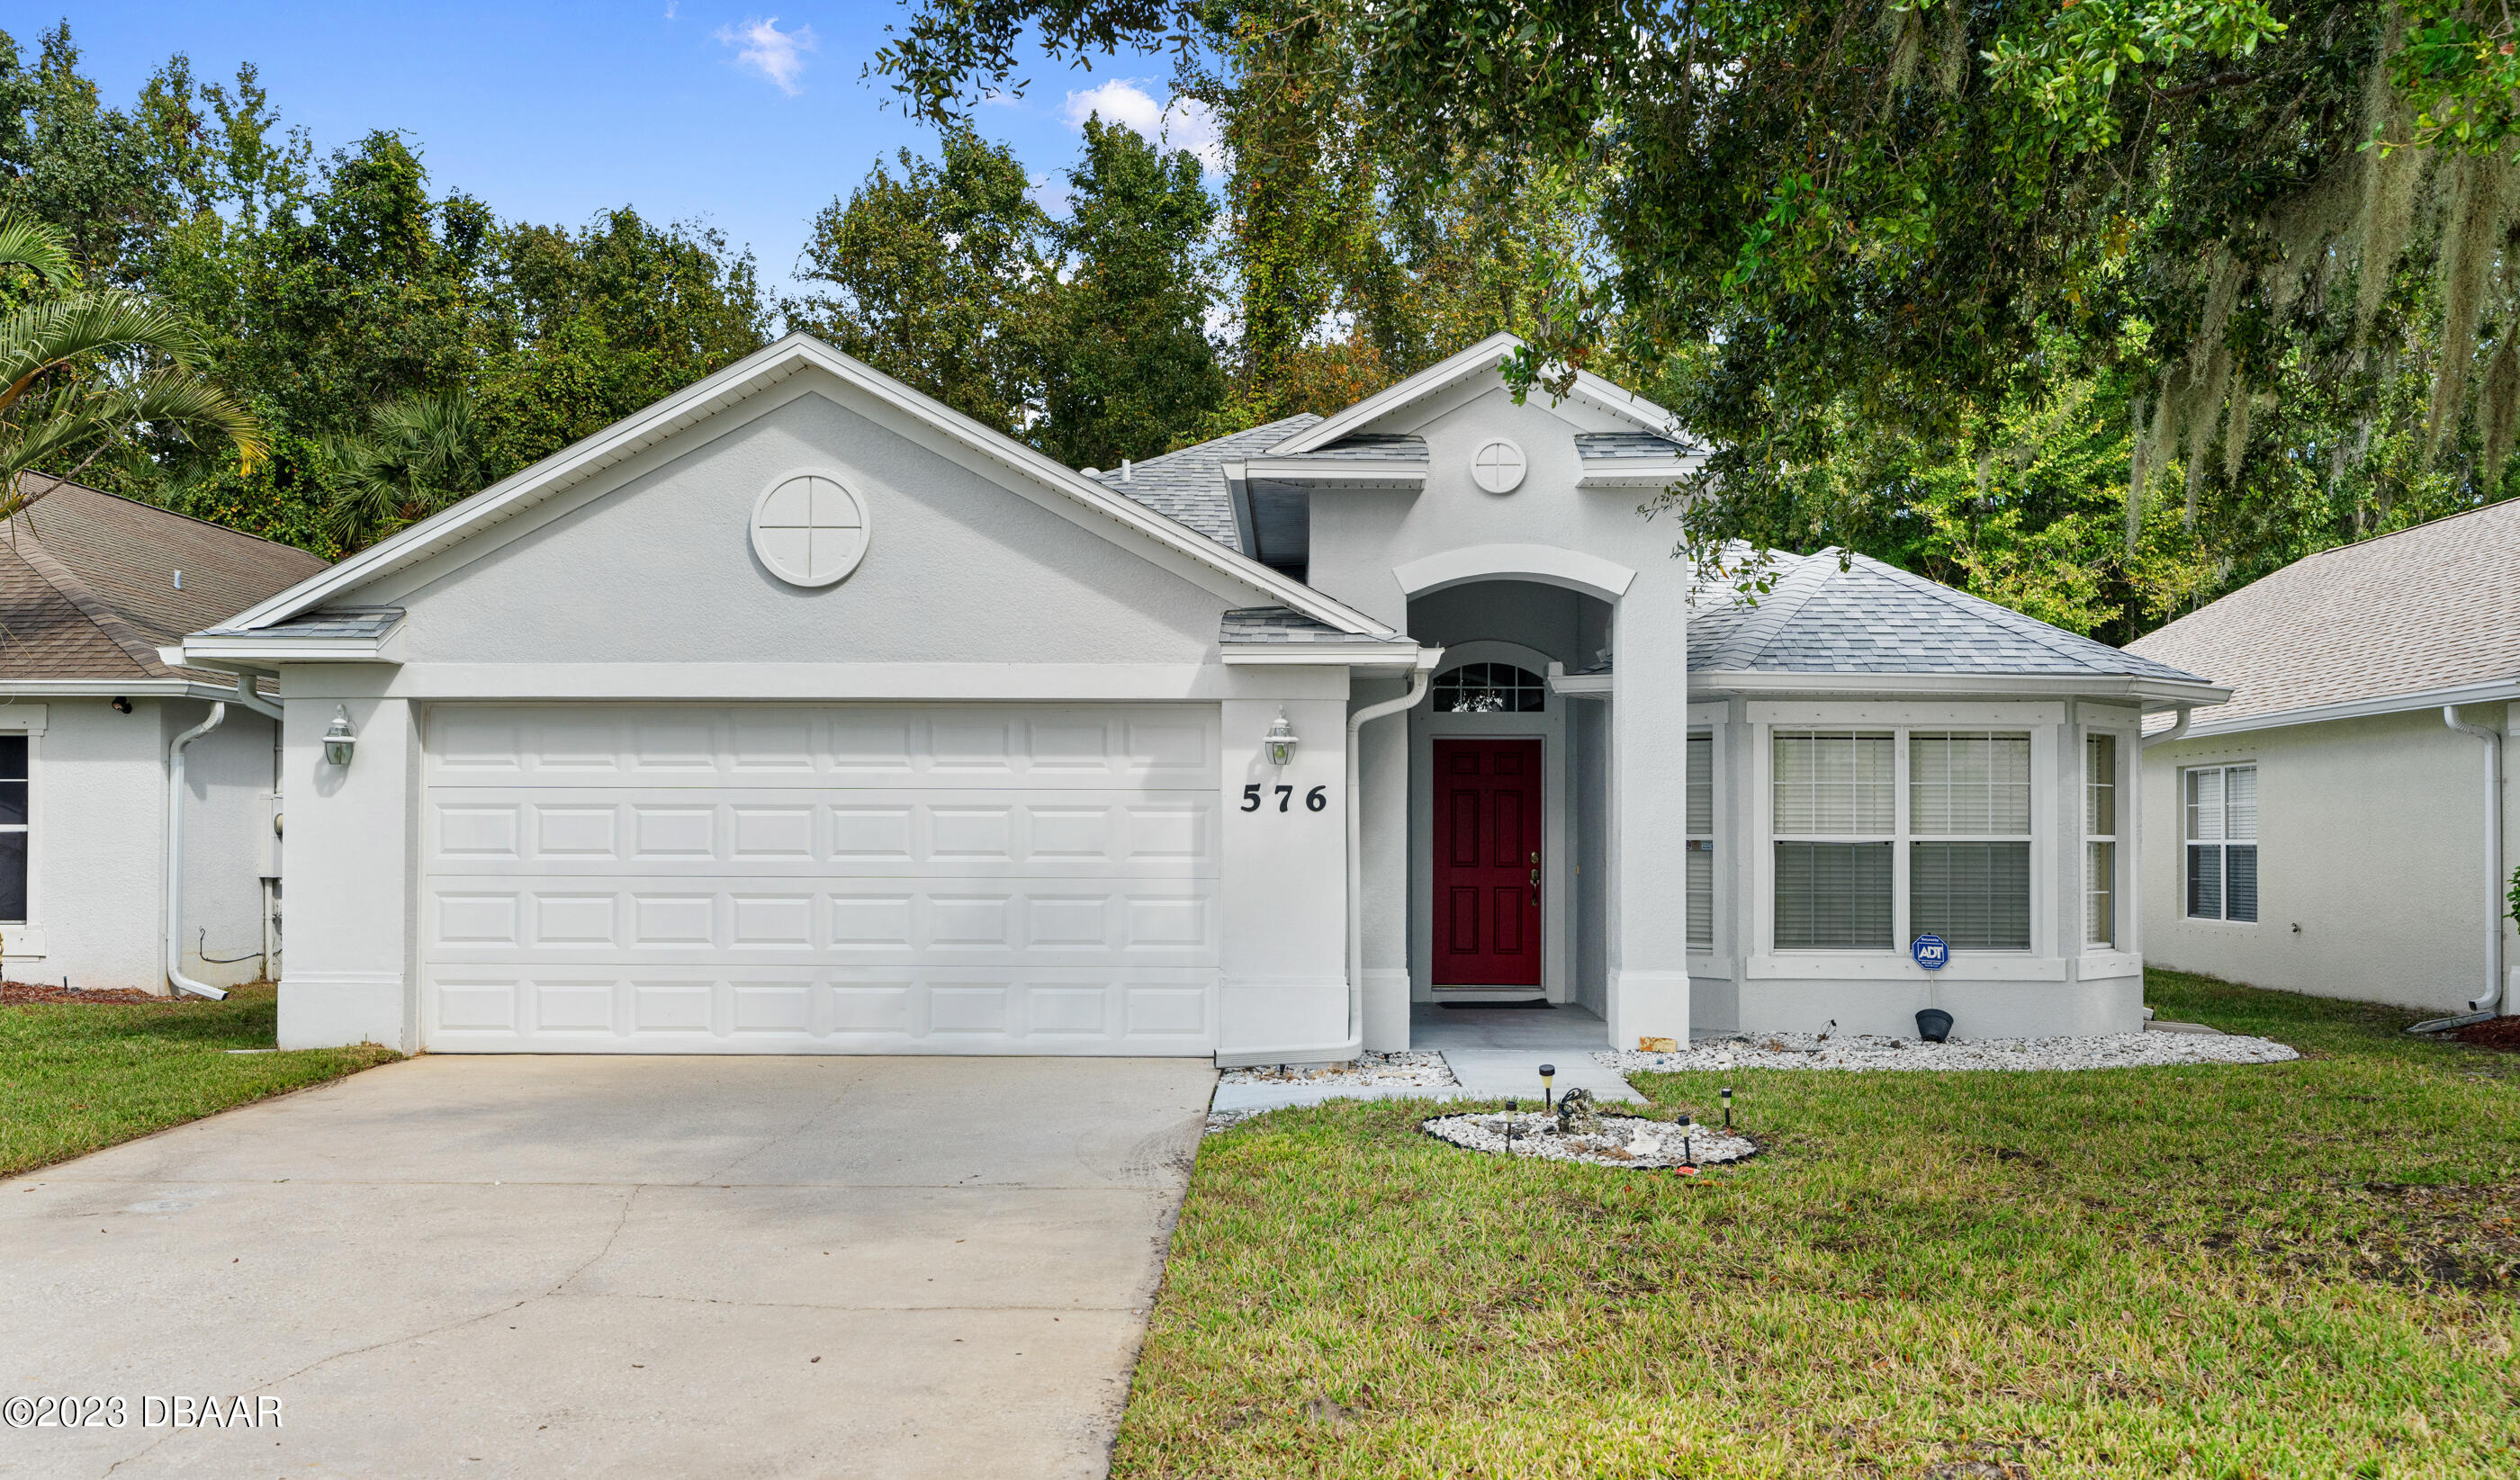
(1418, 681)
(2186, 712)
(175, 855)
(2491, 1004)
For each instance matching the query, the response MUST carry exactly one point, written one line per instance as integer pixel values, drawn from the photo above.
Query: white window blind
(1969, 794)
(1834, 806)
(2219, 807)
(1701, 840)
(2100, 839)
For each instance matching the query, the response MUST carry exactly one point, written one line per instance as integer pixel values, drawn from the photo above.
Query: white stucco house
(2338, 826)
(99, 784)
(800, 713)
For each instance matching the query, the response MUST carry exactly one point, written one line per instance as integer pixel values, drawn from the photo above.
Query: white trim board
(1436, 379)
(2500, 690)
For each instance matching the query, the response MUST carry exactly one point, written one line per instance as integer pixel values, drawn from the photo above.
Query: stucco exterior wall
(2371, 873)
(661, 570)
(96, 864)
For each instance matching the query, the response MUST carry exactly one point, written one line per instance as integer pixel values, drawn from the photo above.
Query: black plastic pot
(1933, 1025)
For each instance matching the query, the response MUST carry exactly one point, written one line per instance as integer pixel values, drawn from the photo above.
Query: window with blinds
(1702, 841)
(1886, 835)
(2100, 839)
(1969, 857)
(2220, 818)
(12, 828)
(1835, 813)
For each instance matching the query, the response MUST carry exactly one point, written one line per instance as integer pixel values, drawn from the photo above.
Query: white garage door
(838, 878)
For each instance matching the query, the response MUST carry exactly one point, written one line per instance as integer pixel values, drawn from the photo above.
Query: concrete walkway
(617, 1267)
(1495, 1052)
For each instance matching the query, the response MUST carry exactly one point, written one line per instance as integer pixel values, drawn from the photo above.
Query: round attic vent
(1498, 466)
(809, 529)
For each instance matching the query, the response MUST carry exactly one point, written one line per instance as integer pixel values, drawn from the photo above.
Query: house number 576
(1314, 800)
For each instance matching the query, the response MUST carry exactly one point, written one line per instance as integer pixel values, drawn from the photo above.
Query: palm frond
(42, 336)
(83, 418)
(27, 242)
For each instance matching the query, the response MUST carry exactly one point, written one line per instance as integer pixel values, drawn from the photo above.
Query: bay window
(1837, 828)
(1700, 851)
(2100, 840)
(2220, 813)
(1842, 836)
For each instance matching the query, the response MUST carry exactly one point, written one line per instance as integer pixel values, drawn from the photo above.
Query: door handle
(1535, 879)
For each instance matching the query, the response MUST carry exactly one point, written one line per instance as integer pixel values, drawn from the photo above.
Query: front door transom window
(809, 529)
(1499, 465)
(1490, 688)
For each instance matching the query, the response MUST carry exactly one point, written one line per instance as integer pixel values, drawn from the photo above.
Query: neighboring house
(2338, 828)
(92, 588)
(800, 713)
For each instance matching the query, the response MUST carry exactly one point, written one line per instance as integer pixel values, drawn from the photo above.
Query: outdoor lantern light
(1279, 743)
(1687, 1143)
(338, 740)
(1728, 1107)
(1548, 1075)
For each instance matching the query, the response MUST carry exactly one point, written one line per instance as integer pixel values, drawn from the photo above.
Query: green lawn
(2300, 1269)
(76, 1078)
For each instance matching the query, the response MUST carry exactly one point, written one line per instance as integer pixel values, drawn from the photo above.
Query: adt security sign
(1930, 953)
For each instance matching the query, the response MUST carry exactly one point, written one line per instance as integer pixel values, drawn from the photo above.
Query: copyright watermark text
(150, 1410)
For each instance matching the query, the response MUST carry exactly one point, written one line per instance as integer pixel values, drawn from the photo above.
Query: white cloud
(672, 6)
(776, 55)
(1182, 123)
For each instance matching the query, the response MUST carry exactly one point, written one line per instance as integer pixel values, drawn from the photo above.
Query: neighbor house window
(2221, 827)
(1835, 817)
(12, 828)
(1702, 841)
(2100, 839)
(1969, 858)
(1490, 688)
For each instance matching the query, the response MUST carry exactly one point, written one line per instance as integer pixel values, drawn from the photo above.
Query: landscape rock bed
(1861, 1053)
(1425, 1071)
(1623, 1141)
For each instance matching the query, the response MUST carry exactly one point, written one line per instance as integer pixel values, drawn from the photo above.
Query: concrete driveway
(618, 1267)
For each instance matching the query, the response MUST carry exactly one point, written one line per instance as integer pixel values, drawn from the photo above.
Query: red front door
(1487, 862)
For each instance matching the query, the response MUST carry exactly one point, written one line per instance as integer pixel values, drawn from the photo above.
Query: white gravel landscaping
(1380, 1070)
(1860, 1053)
(1624, 1140)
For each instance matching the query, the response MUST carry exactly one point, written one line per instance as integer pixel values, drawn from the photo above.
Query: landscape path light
(1548, 1076)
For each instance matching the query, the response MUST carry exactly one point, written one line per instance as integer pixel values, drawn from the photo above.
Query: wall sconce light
(339, 739)
(1279, 743)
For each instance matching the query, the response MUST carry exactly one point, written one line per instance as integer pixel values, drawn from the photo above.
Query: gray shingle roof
(2435, 606)
(1594, 446)
(1872, 617)
(1364, 447)
(87, 582)
(1189, 485)
(361, 623)
(1282, 625)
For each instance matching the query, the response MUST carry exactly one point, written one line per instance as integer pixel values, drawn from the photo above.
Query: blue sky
(750, 118)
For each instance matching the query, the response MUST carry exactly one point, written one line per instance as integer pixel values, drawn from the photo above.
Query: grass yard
(75, 1078)
(2299, 1268)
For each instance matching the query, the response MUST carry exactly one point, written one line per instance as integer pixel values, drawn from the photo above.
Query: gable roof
(87, 582)
(2414, 613)
(1189, 485)
(1874, 619)
(1061, 488)
(1486, 355)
